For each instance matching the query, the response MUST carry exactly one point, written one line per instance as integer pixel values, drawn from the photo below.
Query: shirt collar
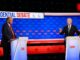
(9, 24)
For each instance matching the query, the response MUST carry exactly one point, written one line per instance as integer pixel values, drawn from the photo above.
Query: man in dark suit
(70, 29)
(7, 35)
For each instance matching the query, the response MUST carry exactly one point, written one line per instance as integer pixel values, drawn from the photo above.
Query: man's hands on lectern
(12, 40)
(60, 30)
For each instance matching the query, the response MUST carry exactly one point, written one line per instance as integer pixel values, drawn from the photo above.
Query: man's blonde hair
(8, 19)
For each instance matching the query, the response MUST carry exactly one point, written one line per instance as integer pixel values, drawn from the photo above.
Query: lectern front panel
(72, 48)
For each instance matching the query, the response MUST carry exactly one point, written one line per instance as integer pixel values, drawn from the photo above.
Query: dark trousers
(65, 48)
(6, 49)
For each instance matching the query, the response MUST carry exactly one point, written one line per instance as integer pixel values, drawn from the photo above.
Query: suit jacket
(6, 33)
(72, 31)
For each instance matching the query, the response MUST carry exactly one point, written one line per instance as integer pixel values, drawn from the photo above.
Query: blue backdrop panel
(47, 28)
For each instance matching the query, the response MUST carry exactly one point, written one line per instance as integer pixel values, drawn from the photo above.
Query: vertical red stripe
(78, 6)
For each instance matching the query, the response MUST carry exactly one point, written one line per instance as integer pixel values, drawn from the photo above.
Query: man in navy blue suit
(69, 29)
(7, 35)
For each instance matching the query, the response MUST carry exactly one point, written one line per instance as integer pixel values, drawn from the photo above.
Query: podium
(72, 48)
(18, 49)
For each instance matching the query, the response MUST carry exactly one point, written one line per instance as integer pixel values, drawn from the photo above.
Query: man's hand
(11, 40)
(60, 30)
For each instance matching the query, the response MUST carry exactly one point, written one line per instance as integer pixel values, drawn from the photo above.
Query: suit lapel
(67, 28)
(7, 26)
